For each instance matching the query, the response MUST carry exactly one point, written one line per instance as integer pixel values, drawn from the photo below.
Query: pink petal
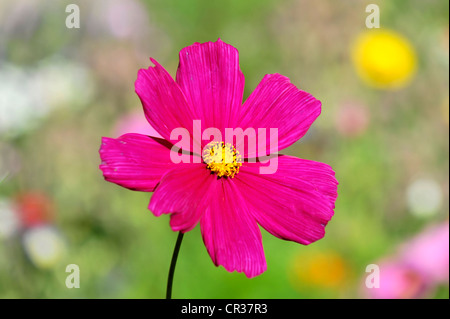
(212, 82)
(183, 192)
(230, 233)
(277, 103)
(135, 161)
(295, 203)
(164, 104)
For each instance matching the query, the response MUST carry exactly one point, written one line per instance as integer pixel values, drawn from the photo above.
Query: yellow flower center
(222, 159)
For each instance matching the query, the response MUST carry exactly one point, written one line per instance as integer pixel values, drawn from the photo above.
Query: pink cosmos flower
(228, 200)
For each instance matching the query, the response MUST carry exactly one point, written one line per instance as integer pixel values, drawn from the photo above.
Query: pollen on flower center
(222, 159)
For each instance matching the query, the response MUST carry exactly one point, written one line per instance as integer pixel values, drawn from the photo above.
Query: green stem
(172, 265)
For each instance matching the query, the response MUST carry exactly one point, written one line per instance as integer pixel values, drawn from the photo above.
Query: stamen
(222, 159)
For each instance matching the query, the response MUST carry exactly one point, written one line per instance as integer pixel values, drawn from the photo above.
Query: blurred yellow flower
(319, 269)
(384, 59)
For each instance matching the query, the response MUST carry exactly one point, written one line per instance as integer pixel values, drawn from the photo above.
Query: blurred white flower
(62, 83)
(19, 109)
(9, 222)
(424, 197)
(44, 246)
(28, 95)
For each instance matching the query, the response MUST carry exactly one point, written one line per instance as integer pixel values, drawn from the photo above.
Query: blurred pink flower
(122, 19)
(228, 199)
(428, 253)
(134, 123)
(398, 281)
(352, 119)
(418, 266)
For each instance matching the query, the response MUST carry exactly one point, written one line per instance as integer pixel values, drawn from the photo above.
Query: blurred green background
(62, 89)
